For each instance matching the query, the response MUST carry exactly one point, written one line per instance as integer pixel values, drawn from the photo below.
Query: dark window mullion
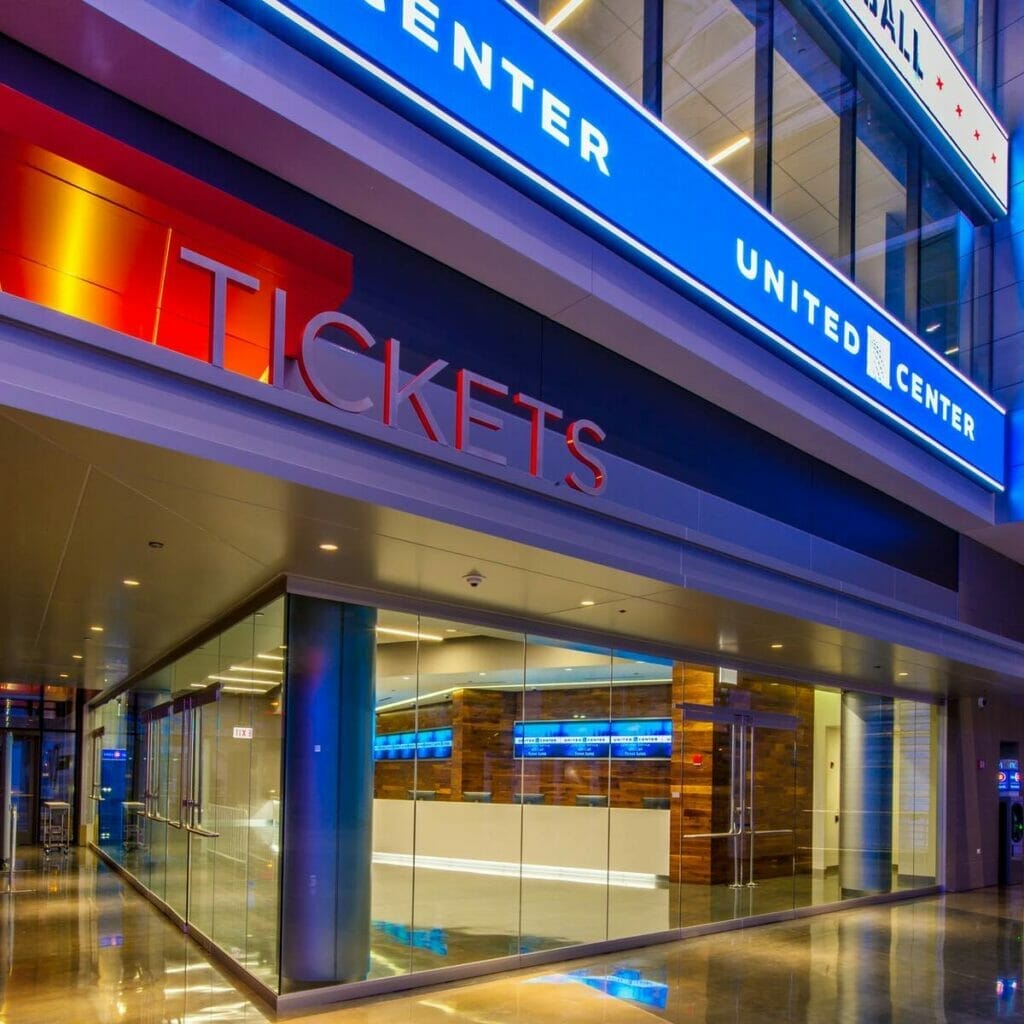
(763, 86)
(913, 252)
(654, 46)
(848, 168)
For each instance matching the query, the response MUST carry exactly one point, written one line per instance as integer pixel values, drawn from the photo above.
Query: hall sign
(488, 78)
(898, 41)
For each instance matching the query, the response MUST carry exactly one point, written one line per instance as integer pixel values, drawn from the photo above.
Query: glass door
(737, 829)
(24, 790)
(179, 770)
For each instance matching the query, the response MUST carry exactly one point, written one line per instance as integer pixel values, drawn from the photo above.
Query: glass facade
(810, 96)
(186, 787)
(528, 794)
(40, 721)
(707, 81)
(881, 231)
(758, 89)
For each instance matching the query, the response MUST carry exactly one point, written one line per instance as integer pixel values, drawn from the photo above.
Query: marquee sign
(898, 41)
(488, 78)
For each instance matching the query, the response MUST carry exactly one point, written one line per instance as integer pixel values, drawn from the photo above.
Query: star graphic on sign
(959, 111)
(977, 135)
(939, 82)
(993, 158)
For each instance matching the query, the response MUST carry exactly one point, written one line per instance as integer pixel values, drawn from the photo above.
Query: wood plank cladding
(783, 780)
(482, 747)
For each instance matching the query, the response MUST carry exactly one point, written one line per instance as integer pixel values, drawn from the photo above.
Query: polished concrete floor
(77, 945)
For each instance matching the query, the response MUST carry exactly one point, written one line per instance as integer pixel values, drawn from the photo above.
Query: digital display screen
(114, 755)
(1008, 775)
(627, 739)
(404, 746)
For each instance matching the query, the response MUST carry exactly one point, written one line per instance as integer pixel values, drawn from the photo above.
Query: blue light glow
(574, 137)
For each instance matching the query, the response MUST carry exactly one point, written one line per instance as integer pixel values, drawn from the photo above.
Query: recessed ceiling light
(451, 631)
(562, 13)
(406, 678)
(587, 604)
(329, 547)
(903, 675)
(64, 675)
(387, 631)
(77, 657)
(130, 583)
(776, 647)
(733, 147)
(933, 327)
(261, 671)
(96, 629)
(481, 673)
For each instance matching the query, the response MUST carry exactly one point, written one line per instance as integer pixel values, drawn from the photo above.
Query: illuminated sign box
(488, 78)
(625, 739)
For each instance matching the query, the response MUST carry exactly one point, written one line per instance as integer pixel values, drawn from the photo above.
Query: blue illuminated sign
(635, 739)
(489, 78)
(404, 746)
(1008, 776)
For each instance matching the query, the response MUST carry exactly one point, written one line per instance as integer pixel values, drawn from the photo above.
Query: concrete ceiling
(82, 508)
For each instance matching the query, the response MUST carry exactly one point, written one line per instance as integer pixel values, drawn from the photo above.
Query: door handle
(204, 832)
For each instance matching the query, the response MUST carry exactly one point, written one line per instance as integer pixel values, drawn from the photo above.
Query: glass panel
(212, 883)
(59, 707)
(947, 240)
(24, 790)
(176, 855)
(467, 850)
(951, 19)
(810, 94)
(639, 894)
(915, 793)
(708, 81)
(19, 706)
(823, 806)
(608, 33)
(868, 838)
(744, 754)
(394, 783)
(880, 227)
(111, 777)
(564, 786)
(263, 815)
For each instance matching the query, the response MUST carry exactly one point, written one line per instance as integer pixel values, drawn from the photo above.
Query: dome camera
(983, 702)
(474, 578)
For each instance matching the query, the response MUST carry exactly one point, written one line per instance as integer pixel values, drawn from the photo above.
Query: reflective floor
(77, 945)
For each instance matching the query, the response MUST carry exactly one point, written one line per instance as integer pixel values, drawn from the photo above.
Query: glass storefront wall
(529, 794)
(40, 721)
(186, 787)
(532, 795)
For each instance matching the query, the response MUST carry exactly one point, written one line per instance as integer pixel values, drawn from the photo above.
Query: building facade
(493, 479)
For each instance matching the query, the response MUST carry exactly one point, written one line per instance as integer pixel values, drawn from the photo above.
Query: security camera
(983, 702)
(474, 578)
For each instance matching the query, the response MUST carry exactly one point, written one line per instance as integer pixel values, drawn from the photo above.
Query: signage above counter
(898, 42)
(489, 79)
